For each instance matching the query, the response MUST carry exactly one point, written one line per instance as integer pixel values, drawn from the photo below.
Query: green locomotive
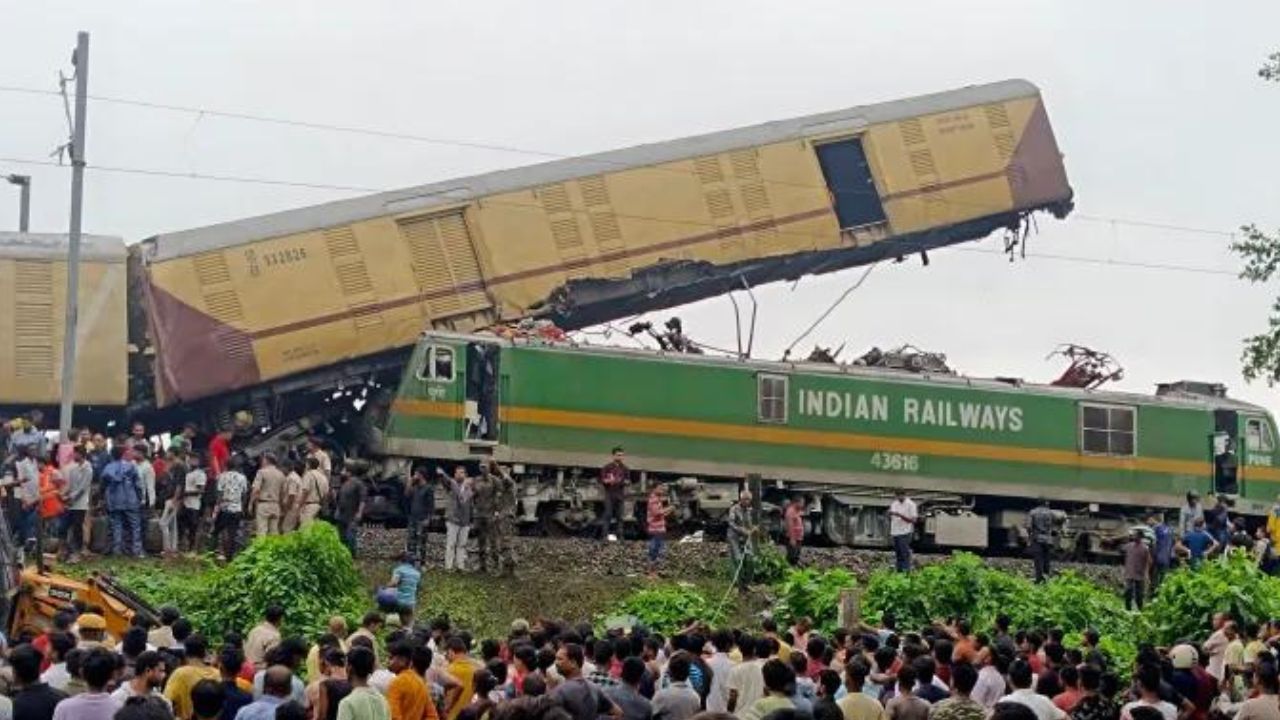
(976, 453)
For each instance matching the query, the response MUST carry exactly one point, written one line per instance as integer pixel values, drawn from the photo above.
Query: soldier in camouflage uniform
(504, 523)
(482, 519)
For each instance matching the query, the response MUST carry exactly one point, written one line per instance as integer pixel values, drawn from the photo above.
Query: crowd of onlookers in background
(201, 498)
(391, 668)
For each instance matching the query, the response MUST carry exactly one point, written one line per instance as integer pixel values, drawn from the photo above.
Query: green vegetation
(308, 572)
(666, 608)
(311, 574)
(1261, 254)
(964, 587)
(805, 592)
(770, 565)
(1187, 599)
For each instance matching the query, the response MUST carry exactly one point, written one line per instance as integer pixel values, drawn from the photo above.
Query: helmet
(1184, 657)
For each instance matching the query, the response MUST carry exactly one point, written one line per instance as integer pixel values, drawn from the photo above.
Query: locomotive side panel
(566, 407)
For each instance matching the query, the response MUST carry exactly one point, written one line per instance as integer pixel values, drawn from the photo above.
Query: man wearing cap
(93, 631)
(1184, 660)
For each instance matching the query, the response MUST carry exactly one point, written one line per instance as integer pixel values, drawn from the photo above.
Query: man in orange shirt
(407, 694)
(463, 669)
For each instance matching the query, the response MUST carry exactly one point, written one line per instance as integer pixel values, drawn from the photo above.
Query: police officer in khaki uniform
(315, 492)
(268, 493)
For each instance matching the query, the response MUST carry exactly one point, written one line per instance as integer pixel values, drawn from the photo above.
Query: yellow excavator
(30, 595)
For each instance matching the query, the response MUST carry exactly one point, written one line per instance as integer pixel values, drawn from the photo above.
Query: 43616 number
(895, 462)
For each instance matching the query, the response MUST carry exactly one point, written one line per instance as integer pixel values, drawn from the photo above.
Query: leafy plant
(962, 586)
(1070, 602)
(814, 594)
(770, 565)
(1187, 599)
(308, 572)
(665, 608)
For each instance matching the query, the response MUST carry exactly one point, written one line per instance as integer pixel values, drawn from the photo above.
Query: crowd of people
(210, 498)
(394, 668)
(202, 498)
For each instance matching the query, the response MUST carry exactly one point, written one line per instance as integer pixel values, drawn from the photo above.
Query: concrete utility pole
(24, 201)
(81, 62)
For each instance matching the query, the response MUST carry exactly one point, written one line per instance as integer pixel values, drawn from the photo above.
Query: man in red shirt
(219, 453)
(658, 509)
(793, 517)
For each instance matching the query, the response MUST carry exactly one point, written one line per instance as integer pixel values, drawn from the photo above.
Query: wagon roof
(450, 192)
(53, 246)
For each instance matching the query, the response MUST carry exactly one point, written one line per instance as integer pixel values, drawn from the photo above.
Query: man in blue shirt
(1198, 543)
(123, 491)
(277, 685)
(405, 579)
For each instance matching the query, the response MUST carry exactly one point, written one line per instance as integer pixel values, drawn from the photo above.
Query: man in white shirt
(146, 475)
(57, 676)
(1020, 676)
(1149, 695)
(1216, 645)
(148, 678)
(721, 666)
(990, 686)
(746, 679)
(902, 525)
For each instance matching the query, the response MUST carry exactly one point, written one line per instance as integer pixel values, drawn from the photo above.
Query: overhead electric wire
(669, 220)
(826, 313)
(395, 135)
(195, 175)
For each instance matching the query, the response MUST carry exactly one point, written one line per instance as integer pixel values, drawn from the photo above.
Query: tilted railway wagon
(274, 313)
(976, 452)
(33, 294)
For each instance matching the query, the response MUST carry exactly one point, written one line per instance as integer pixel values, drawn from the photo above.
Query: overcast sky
(1156, 105)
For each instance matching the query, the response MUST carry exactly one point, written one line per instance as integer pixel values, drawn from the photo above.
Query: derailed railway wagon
(273, 314)
(977, 453)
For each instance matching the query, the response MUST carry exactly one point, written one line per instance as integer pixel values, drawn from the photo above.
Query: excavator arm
(30, 596)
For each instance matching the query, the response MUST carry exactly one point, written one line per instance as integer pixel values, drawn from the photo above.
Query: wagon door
(853, 189)
(1223, 449)
(1259, 447)
(480, 416)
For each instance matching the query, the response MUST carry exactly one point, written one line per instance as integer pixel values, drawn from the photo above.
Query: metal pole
(24, 201)
(81, 61)
(24, 205)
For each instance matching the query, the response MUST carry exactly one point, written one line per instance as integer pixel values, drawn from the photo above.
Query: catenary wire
(691, 222)
(388, 134)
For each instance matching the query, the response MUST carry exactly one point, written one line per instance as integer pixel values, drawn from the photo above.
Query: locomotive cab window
(1257, 436)
(1107, 430)
(771, 393)
(437, 364)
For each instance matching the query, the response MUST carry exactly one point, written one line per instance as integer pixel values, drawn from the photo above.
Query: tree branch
(1271, 69)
